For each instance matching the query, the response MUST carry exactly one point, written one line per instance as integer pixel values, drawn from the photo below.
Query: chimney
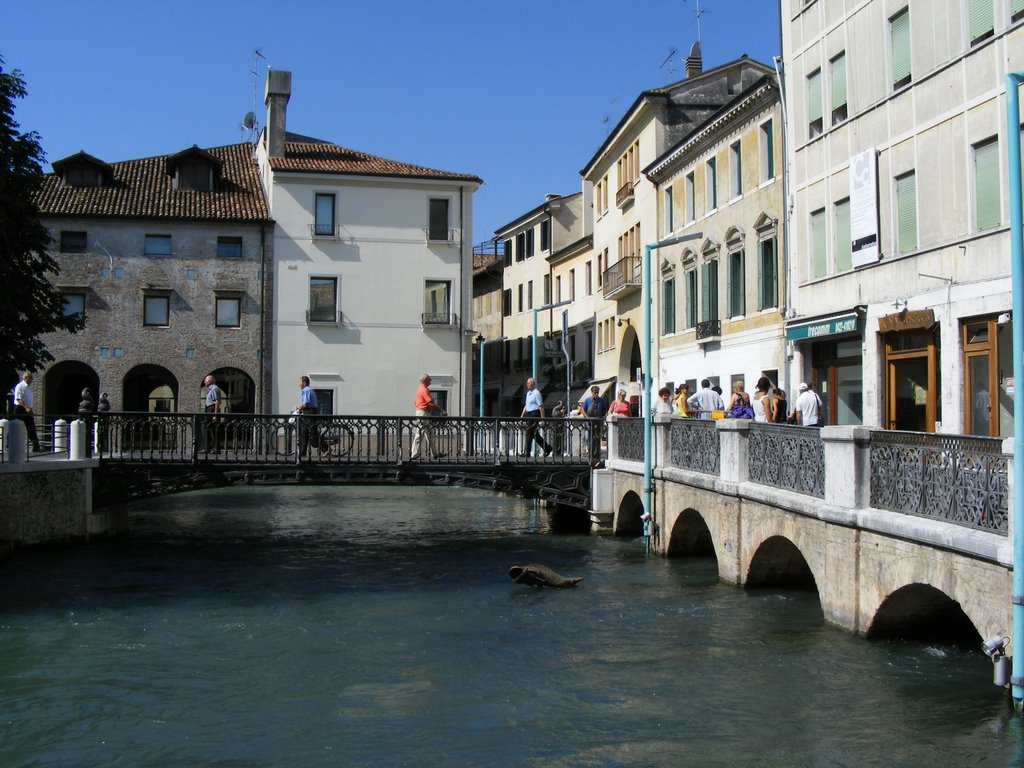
(694, 63)
(279, 90)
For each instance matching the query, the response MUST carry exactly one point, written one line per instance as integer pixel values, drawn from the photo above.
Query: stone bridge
(899, 533)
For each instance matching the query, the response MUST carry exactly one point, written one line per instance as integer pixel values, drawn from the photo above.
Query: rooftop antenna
(697, 14)
(670, 61)
(606, 119)
(249, 122)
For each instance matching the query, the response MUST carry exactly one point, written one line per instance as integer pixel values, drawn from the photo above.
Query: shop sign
(831, 327)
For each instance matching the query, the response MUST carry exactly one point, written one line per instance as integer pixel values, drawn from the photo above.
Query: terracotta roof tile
(322, 157)
(143, 189)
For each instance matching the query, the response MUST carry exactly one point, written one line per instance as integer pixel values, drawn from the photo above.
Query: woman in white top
(763, 405)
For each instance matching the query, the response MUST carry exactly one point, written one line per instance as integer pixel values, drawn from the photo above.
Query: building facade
(165, 258)
(899, 238)
(372, 269)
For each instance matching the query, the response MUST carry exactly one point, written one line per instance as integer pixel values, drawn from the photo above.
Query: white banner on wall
(864, 207)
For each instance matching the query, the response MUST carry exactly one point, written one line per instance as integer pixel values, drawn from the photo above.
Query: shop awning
(826, 325)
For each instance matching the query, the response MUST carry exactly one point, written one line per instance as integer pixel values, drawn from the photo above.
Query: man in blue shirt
(307, 405)
(533, 409)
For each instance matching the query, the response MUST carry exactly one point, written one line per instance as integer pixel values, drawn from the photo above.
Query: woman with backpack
(739, 405)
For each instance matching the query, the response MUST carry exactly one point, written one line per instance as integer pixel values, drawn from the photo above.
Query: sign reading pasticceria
(907, 321)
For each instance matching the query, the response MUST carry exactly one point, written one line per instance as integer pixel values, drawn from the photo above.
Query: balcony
(439, 319)
(624, 197)
(325, 231)
(709, 331)
(623, 278)
(439, 235)
(321, 317)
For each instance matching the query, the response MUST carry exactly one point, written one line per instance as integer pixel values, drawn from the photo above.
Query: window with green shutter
(899, 47)
(981, 20)
(986, 185)
(906, 212)
(691, 298)
(844, 247)
(1016, 10)
(767, 152)
(668, 306)
(837, 72)
(815, 122)
(819, 256)
(709, 290)
(768, 277)
(737, 284)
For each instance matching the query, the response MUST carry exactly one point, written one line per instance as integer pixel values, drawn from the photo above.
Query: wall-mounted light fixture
(623, 321)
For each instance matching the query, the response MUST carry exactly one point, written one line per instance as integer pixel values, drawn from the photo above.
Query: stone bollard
(15, 441)
(79, 440)
(60, 436)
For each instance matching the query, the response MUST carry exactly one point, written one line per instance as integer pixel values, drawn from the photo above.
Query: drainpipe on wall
(1013, 82)
(463, 288)
(776, 60)
(261, 405)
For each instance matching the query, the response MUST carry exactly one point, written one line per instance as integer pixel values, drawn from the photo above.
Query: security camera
(1004, 318)
(994, 646)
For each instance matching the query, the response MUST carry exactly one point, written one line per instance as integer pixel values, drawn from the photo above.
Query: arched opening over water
(778, 563)
(63, 385)
(922, 612)
(690, 536)
(627, 521)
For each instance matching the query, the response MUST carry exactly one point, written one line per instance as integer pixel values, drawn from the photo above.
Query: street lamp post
(645, 300)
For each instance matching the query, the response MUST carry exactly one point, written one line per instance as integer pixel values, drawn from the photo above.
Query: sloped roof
(143, 189)
(306, 155)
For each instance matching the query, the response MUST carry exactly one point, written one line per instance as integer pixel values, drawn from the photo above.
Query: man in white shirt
(705, 400)
(808, 407)
(23, 408)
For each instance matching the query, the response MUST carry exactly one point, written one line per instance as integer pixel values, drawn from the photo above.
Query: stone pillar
(847, 466)
(613, 438)
(15, 440)
(60, 436)
(79, 440)
(1008, 448)
(734, 445)
(662, 440)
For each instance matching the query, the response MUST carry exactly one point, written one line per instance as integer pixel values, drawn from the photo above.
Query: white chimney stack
(279, 90)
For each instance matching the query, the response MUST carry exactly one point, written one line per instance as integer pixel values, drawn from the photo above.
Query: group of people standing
(768, 404)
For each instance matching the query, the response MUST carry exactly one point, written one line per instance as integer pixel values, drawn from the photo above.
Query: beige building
(626, 204)
(899, 237)
(718, 299)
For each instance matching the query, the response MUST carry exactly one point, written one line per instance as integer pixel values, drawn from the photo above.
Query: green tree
(30, 306)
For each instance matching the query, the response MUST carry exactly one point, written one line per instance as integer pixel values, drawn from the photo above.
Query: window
(602, 261)
(323, 300)
(815, 121)
(74, 303)
(668, 306)
(558, 288)
(906, 212)
(520, 246)
(324, 222)
(981, 20)
(588, 279)
(709, 290)
(689, 198)
(899, 49)
(669, 213)
(437, 302)
(229, 247)
(844, 243)
(711, 182)
(819, 256)
(767, 142)
(529, 295)
(736, 169)
(196, 175)
(156, 310)
(506, 252)
(519, 296)
(72, 242)
(545, 235)
(1016, 10)
(768, 274)
(837, 74)
(601, 196)
(572, 285)
(737, 283)
(987, 203)
(547, 289)
(438, 220)
(506, 302)
(229, 311)
(529, 243)
(158, 245)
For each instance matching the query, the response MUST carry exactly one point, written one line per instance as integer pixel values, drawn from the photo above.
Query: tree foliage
(30, 306)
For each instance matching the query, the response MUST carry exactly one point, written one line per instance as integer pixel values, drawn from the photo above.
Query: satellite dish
(249, 120)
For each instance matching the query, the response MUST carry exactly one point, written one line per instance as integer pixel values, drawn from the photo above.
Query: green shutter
(736, 284)
(705, 290)
(906, 212)
(981, 18)
(1016, 7)
(769, 151)
(668, 307)
(691, 298)
(986, 185)
(899, 43)
(839, 81)
(818, 253)
(814, 97)
(844, 248)
(713, 287)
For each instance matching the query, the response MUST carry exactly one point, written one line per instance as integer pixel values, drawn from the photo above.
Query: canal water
(378, 627)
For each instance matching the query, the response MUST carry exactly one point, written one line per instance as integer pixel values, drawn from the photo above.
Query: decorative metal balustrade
(958, 479)
(791, 458)
(693, 445)
(629, 437)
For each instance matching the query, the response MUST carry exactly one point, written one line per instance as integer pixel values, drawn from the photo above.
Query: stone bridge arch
(627, 515)
(779, 563)
(922, 612)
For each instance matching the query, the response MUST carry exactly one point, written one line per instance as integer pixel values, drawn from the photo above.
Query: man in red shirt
(425, 406)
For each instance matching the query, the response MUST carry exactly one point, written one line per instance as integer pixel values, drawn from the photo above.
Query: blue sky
(521, 94)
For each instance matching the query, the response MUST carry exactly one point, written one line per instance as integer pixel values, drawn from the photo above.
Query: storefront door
(911, 382)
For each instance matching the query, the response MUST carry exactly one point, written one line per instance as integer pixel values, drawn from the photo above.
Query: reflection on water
(378, 626)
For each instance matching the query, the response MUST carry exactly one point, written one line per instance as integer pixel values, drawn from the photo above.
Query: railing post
(612, 436)
(847, 466)
(198, 422)
(15, 441)
(1011, 491)
(734, 450)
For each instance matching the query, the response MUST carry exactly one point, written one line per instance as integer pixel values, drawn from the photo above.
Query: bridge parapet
(957, 479)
